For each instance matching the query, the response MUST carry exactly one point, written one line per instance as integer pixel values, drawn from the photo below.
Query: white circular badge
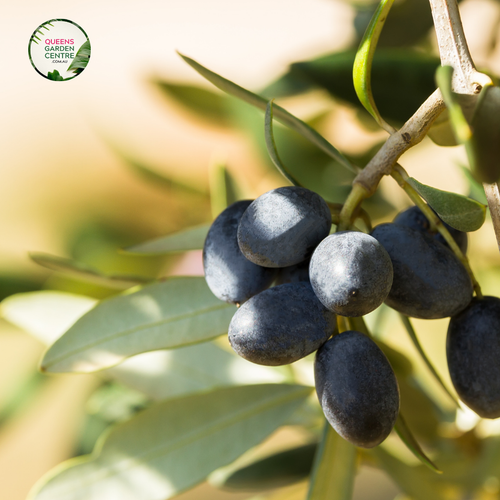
(59, 49)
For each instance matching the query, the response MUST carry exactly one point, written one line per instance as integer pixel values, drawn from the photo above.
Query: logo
(59, 50)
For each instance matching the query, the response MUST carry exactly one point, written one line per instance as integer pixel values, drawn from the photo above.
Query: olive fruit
(230, 276)
(294, 274)
(281, 325)
(414, 217)
(283, 226)
(356, 388)
(473, 352)
(351, 273)
(429, 281)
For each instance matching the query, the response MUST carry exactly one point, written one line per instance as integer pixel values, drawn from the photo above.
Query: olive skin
(282, 227)
(429, 281)
(281, 325)
(473, 353)
(294, 274)
(351, 273)
(414, 217)
(230, 276)
(357, 388)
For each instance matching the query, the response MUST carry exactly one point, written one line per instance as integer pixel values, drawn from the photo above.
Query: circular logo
(59, 50)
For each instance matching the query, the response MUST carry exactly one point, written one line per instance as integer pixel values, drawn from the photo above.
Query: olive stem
(409, 135)
(453, 49)
(356, 196)
(400, 176)
(493, 197)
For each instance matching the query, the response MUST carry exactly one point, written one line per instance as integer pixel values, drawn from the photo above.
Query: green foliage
(457, 210)
(401, 79)
(145, 459)
(364, 59)
(274, 471)
(174, 313)
(184, 404)
(485, 141)
(188, 239)
(334, 468)
(85, 272)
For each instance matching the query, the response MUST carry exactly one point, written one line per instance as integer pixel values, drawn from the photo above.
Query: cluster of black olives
(282, 238)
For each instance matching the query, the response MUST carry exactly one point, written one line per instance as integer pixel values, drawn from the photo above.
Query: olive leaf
(401, 79)
(192, 238)
(173, 446)
(271, 147)
(160, 375)
(209, 105)
(281, 114)
(460, 212)
(86, 272)
(458, 121)
(334, 468)
(177, 312)
(411, 443)
(485, 140)
(224, 190)
(363, 63)
(413, 336)
(274, 471)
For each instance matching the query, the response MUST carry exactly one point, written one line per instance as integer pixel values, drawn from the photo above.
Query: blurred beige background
(57, 168)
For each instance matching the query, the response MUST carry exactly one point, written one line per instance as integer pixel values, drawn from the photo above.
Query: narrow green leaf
(416, 481)
(334, 468)
(274, 471)
(458, 121)
(204, 103)
(412, 444)
(193, 369)
(413, 336)
(409, 71)
(86, 272)
(363, 63)
(160, 375)
(460, 212)
(485, 141)
(45, 314)
(173, 446)
(476, 190)
(177, 312)
(161, 179)
(281, 114)
(271, 146)
(192, 238)
(224, 190)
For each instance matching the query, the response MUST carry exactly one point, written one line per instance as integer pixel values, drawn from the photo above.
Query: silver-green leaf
(87, 273)
(160, 375)
(177, 312)
(192, 238)
(460, 212)
(173, 446)
(280, 113)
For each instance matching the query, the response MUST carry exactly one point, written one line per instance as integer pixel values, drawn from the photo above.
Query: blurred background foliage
(132, 150)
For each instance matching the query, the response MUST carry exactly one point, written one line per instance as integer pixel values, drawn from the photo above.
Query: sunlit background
(74, 180)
